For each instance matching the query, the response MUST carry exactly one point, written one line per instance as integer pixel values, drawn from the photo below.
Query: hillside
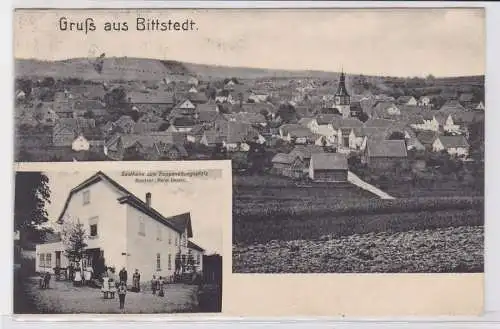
(148, 69)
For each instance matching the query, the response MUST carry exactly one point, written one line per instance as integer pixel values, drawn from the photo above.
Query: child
(154, 282)
(122, 291)
(161, 283)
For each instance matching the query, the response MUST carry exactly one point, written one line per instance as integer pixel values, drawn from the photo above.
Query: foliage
(32, 195)
(287, 113)
(74, 239)
(116, 99)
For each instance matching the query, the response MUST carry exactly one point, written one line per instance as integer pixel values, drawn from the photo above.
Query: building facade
(122, 229)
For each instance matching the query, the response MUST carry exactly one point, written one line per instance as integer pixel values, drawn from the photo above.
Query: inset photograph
(138, 241)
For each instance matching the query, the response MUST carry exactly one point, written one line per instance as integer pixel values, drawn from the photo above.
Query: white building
(80, 144)
(454, 145)
(125, 230)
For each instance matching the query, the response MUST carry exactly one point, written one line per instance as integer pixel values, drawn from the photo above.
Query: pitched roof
(130, 199)
(208, 116)
(453, 141)
(306, 121)
(324, 119)
(306, 151)
(466, 97)
(427, 137)
(387, 148)
(183, 122)
(404, 99)
(377, 122)
(329, 161)
(182, 222)
(240, 132)
(192, 245)
(209, 107)
(137, 97)
(451, 107)
(283, 158)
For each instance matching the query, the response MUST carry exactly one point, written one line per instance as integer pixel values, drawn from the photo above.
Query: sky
(397, 42)
(199, 198)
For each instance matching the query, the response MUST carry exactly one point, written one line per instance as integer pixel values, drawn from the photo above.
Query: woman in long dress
(77, 281)
(105, 286)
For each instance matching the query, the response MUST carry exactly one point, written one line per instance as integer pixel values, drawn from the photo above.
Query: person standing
(136, 279)
(161, 283)
(123, 275)
(154, 283)
(122, 292)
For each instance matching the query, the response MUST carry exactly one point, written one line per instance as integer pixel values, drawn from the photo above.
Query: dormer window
(86, 197)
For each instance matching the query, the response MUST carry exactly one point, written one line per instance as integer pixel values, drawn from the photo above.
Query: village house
(328, 167)
(45, 113)
(310, 123)
(117, 146)
(385, 154)
(181, 124)
(288, 165)
(65, 131)
(386, 110)
(407, 100)
(124, 230)
(184, 108)
(239, 136)
(450, 126)
(304, 152)
(424, 101)
(426, 121)
(453, 145)
(159, 102)
(193, 81)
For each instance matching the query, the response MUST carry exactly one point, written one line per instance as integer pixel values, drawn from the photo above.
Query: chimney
(148, 199)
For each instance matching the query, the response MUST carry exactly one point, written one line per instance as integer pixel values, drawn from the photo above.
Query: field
(285, 226)
(449, 250)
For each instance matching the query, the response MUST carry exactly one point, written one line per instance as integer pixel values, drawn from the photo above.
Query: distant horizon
(249, 67)
(395, 42)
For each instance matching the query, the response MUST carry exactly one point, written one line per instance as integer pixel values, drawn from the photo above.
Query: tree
(116, 99)
(32, 194)
(287, 113)
(88, 114)
(363, 117)
(74, 239)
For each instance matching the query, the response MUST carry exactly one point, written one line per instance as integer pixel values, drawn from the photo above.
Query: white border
(492, 302)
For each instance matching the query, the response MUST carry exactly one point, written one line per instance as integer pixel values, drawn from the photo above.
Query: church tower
(342, 98)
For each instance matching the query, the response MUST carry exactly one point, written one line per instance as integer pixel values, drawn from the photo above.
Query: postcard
(355, 137)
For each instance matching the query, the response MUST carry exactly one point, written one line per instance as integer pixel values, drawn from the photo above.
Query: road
(353, 179)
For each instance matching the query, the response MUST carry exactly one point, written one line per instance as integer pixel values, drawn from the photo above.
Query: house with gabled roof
(328, 167)
(289, 165)
(385, 154)
(453, 145)
(407, 100)
(123, 230)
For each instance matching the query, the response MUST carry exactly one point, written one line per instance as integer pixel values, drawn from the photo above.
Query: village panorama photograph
(356, 137)
(109, 242)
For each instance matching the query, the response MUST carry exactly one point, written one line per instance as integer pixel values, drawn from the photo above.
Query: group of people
(158, 284)
(44, 280)
(111, 286)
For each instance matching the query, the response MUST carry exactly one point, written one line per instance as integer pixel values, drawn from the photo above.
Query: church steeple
(342, 90)
(342, 98)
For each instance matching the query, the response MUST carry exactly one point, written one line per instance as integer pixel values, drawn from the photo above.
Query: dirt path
(63, 297)
(353, 179)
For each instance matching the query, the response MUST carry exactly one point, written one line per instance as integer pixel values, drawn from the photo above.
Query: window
(169, 262)
(142, 227)
(86, 197)
(48, 260)
(158, 262)
(93, 230)
(176, 241)
(158, 232)
(42, 260)
(198, 259)
(170, 237)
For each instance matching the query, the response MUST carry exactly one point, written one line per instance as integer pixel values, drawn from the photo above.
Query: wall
(143, 249)
(50, 248)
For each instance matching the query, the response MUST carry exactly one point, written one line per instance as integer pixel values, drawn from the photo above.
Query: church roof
(342, 90)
